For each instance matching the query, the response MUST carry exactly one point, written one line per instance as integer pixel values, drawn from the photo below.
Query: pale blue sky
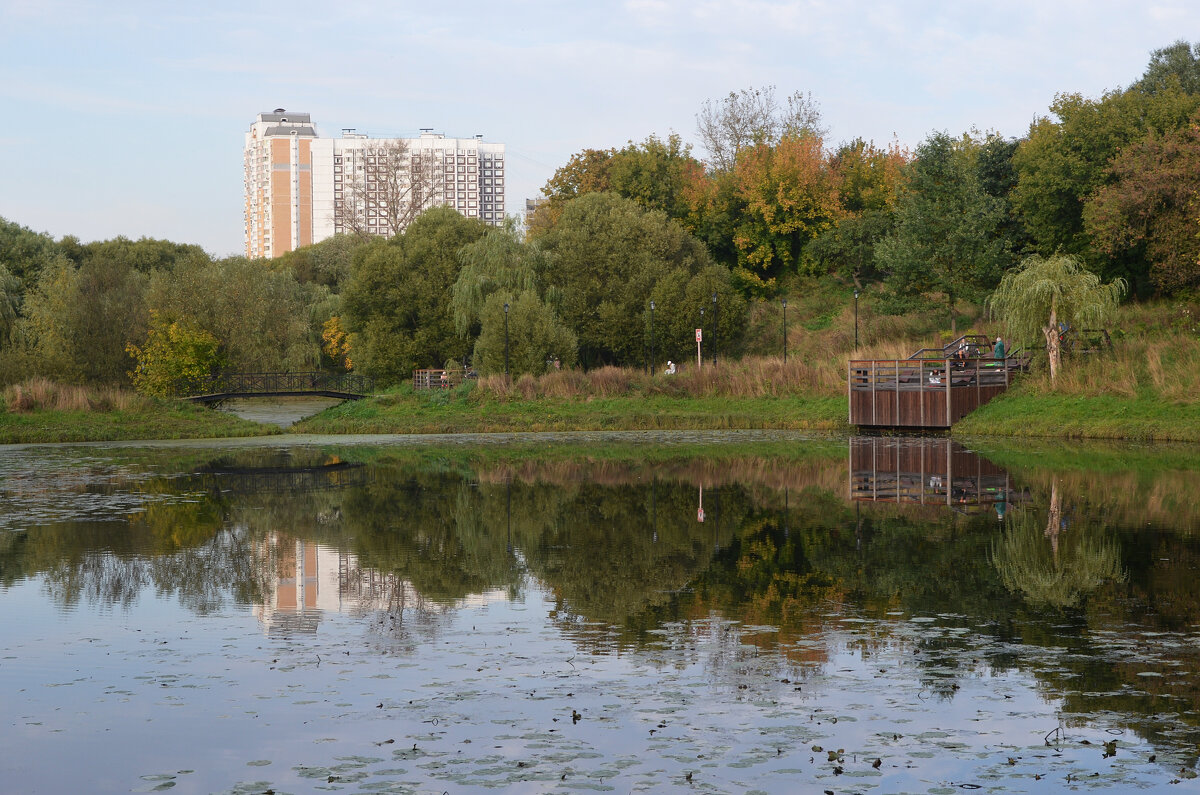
(127, 118)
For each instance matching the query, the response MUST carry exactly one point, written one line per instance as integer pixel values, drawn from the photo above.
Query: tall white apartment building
(302, 188)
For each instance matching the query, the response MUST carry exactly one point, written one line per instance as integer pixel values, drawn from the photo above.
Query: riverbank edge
(1010, 416)
(162, 421)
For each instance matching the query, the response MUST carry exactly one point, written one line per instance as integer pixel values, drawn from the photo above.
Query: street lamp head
(506, 307)
(784, 302)
(714, 297)
(856, 295)
(651, 306)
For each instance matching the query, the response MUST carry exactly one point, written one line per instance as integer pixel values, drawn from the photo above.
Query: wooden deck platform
(924, 393)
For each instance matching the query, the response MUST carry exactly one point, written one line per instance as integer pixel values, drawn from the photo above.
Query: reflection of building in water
(927, 472)
(307, 579)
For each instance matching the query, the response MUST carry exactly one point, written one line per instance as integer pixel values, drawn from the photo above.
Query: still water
(629, 613)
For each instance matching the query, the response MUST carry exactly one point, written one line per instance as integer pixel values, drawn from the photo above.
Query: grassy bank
(1067, 416)
(467, 412)
(1146, 388)
(43, 411)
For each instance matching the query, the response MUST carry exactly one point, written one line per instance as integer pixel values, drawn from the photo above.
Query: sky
(128, 117)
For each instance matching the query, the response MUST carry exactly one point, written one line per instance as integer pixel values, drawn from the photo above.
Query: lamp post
(714, 328)
(784, 302)
(506, 341)
(699, 361)
(651, 338)
(856, 320)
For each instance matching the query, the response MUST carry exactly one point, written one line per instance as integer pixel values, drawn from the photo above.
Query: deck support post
(896, 377)
(946, 364)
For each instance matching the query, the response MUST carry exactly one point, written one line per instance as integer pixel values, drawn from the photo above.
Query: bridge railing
(267, 383)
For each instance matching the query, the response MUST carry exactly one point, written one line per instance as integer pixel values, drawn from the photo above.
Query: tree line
(1108, 182)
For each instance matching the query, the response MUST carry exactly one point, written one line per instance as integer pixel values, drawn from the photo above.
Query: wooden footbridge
(933, 388)
(346, 386)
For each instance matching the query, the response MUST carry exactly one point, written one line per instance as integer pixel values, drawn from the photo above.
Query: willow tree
(1045, 294)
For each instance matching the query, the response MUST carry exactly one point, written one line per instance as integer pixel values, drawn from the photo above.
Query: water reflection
(936, 570)
(928, 472)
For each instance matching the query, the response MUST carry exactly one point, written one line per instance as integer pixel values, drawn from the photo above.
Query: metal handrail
(270, 382)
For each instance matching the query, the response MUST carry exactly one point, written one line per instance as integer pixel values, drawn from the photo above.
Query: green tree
(868, 185)
(498, 261)
(326, 263)
(715, 207)
(24, 253)
(258, 315)
(535, 336)
(80, 321)
(947, 238)
(10, 304)
(1064, 160)
(1176, 66)
(584, 172)
(790, 196)
(609, 257)
(145, 255)
(175, 358)
(398, 303)
(1045, 292)
(654, 173)
(1149, 211)
(679, 297)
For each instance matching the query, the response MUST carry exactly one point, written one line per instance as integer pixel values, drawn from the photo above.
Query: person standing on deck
(998, 351)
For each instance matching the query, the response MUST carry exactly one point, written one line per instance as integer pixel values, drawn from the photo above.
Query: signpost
(699, 335)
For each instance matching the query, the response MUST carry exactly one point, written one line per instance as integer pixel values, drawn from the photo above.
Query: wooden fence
(438, 379)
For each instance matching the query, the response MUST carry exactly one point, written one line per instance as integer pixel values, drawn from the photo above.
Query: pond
(738, 612)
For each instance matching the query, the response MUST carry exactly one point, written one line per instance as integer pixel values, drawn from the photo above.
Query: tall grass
(752, 377)
(42, 394)
(820, 342)
(1156, 353)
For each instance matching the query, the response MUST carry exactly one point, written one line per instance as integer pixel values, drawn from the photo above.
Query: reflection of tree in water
(399, 617)
(1051, 564)
(204, 576)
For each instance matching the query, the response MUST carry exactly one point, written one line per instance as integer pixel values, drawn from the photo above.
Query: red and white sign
(699, 335)
(700, 515)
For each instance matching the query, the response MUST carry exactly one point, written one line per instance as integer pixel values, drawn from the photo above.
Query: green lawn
(1084, 417)
(460, 413)
(167, 420)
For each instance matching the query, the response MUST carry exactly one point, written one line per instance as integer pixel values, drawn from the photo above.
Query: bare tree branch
(387, 186)
(752, 116)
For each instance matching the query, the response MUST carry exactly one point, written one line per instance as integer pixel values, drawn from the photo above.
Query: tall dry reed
(38, 393)
(755, 376)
